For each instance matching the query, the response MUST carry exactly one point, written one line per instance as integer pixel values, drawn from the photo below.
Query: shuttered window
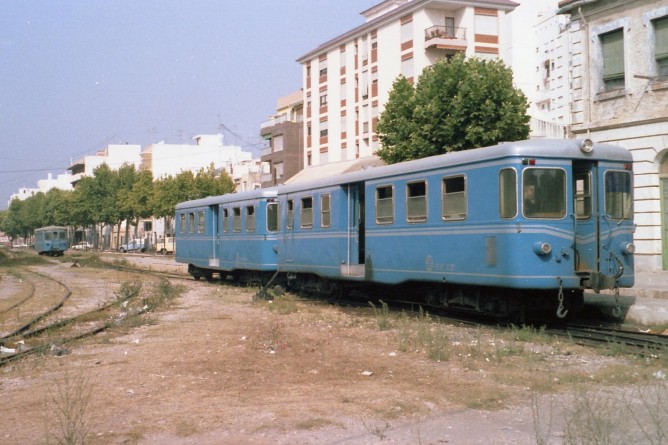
(612, 44)
(661, 53)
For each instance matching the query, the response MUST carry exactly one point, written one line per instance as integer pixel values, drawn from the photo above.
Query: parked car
(166, 245)
(82, 245)
(136, 245)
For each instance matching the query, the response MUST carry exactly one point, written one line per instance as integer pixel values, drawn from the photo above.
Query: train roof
(229, 197)
(51, 228)
(541, 148)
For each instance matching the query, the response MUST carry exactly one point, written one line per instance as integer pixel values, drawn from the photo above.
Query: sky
(78, 75)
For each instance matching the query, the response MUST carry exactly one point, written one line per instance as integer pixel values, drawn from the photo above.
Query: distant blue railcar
(233, 234)
(494, 230)
(51, 240)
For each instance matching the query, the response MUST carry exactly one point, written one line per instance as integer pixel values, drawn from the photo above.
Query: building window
(384, 205)
(661, 48)
(508, 193)
(306, 216)
(323, 100)
(612, 46)
(236, 219)
(416, 201)
(290, 217)
(325, 211)
(407, 67)
(454, 198)
(406, 29)
(277, 143)
(250, 219)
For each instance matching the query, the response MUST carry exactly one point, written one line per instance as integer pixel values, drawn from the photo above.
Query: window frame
(191, 222)
(236, 219)
(417, 219)
(513, 193)
(385, 219)
(290, 214)
(201, 222)
(627, 213)
(613, 78)
(564, 193)
(304, 222)
(273, 216)
(249, 218)
(226, 220)
(459, 216)
(325, 210)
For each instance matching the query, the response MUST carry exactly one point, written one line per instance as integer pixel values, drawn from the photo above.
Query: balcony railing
(445, 37)
(279, 120)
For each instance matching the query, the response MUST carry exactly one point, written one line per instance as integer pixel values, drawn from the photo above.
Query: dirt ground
(215, 367)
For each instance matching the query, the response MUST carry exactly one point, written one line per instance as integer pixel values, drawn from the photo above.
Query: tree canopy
(111, 196)
(456, 105)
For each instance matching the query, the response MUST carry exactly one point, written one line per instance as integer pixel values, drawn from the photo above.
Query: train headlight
(541, 248)
(628, 248)
(586, 145)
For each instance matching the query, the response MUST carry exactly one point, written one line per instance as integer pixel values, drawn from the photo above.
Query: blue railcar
(51, 240)
(495, 229)
(233, 234)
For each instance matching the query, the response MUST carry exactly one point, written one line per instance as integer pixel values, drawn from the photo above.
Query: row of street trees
(111, 197)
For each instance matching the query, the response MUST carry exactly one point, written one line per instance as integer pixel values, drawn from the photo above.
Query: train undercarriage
(514, 305)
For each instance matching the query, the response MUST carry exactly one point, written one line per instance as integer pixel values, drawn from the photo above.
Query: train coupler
(561, 313)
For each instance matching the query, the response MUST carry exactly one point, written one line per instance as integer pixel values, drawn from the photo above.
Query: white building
(115, 156)
(619, 72)
(171, 159)
(62, 182)
(347, 80)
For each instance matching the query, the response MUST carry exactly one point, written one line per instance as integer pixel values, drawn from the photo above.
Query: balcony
(448, 38)
(280, 120)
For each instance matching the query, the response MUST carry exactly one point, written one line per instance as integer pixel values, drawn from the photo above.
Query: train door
(586, 217)
(214, 260)
(355, 237)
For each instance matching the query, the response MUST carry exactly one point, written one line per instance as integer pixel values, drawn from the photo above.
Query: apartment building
(347, 80)
(619, 74)
(283, 134)
(114, 155)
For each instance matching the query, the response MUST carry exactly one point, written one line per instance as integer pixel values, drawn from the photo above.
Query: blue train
(519, 226)
(51, 240)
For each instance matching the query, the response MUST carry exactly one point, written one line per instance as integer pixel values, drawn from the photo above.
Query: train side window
(384, 204)
(226, 220)
(236, 219)
(544, 193)
(453, 198)
(306, 216)
(47, 236)
(583, 195)
(290, 222)
(191, 218)
(618, 195)
(508, 193)
(182, 223)
(272, 217)
(200, 222)
(416, 201)
(325, 211)
(250, 219)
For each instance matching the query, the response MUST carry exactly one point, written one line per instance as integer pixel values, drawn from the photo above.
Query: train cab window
(384, 205)
(226, 220)
(583, 195)
(182, 223)
(250, 219)
(416, 201)
(272, 217)
(236, 219)
(306, 216)
(508, 193)
(325, 211)
(200, 222)
(544, 193)
(618, 195)
(47, 236)
(191, 221)
(290, 217)
(453, 199)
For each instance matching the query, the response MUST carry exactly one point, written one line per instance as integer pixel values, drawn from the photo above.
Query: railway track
(36, 322)
(596, 335)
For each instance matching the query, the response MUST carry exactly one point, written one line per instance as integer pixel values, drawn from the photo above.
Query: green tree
(456, 105)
